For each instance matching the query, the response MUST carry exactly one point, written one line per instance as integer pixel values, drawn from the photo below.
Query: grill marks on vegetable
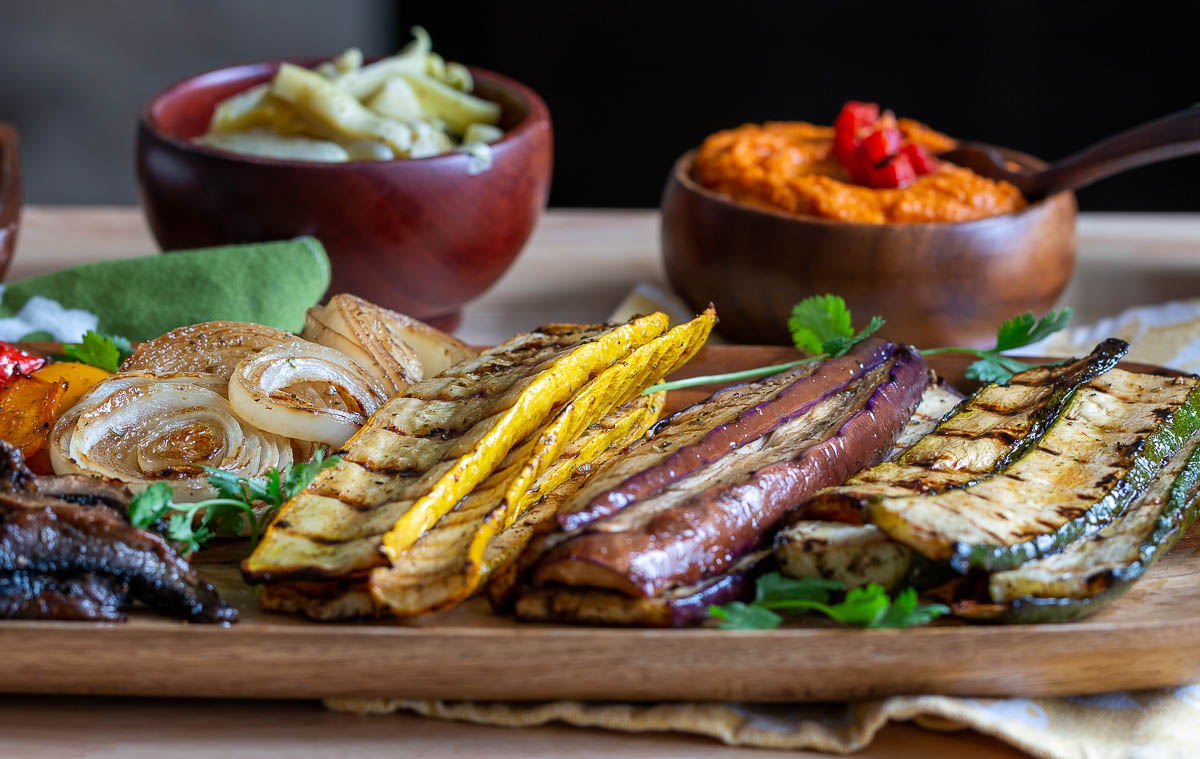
(699, 526)
(336, 527)
(974, 441)
(1107, 444)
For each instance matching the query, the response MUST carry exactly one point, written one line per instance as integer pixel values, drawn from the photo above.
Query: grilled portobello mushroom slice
(1101, 451)
(1090, 573)
(695, 528)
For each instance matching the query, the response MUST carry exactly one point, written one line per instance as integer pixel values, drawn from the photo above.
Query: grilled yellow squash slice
(634, 361)
(438, 557)
(430, 446)
(447, 564)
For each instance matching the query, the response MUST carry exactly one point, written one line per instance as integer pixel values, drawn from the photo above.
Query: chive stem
(711, 379)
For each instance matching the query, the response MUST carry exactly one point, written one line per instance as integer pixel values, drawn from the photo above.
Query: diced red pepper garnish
(919, 157)
(897, 171)
(845, 145)
(871, 147)
(881, 143)
(13, 361)
(855, 115)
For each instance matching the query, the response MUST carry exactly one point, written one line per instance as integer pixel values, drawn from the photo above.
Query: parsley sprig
(104, 351)
(1017, 332)
(821, 327)
(866, 607)
(232, 510)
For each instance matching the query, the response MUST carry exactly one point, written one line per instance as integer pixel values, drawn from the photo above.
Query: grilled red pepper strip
(14, 361)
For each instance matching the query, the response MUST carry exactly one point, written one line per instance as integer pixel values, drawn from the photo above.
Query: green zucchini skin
(1178, 514)
(977, 438)
(1104, 447)
(1156, 450)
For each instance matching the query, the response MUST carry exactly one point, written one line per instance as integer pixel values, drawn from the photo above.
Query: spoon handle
(1169, 137)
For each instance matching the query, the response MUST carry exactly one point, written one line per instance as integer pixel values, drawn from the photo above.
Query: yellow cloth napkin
(1152, 724)
(1161, 723)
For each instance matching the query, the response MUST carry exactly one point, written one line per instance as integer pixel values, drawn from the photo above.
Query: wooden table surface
(578, 266)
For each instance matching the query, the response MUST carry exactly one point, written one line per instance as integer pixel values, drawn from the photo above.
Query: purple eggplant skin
(711, 530)
(679, 607)
(756, 421)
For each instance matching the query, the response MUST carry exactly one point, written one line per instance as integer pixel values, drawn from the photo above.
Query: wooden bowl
(935, 284)
(421, 236)
(10, 194)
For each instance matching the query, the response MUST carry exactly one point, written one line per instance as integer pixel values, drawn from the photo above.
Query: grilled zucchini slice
(985, 432)
(1090, 573)
(1097, 456)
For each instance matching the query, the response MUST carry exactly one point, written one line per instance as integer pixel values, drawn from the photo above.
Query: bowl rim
(10, 176)
(681, 172)
(537, 116)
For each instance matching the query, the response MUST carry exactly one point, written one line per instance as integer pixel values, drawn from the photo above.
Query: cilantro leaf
(867, 607)
(234, 507)
(839, 346)
(150, 505)
(818, 319)
(104, 351)
(1023, 329)
(740, 616)
(905, 612)
(301, 475)
(862, 607)
(774, 587)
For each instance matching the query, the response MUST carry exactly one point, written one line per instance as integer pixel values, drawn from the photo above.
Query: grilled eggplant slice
(794, 400)
(1103, 449)
(698, 526)
(440, 569)
(858, 554)
(417, 441)
(990, 428)
(1091, 572)
(615, 349)
(447, 564)
(678, 607)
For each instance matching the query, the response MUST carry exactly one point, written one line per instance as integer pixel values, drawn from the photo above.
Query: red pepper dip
(869, 168)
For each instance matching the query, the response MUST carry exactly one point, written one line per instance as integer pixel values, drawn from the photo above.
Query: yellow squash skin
(534, 405)
(416, 444)
(446, 565)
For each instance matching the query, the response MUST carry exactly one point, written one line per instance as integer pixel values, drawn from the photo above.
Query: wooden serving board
(1145, 639)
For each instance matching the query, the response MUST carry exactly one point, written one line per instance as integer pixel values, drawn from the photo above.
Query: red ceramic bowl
(421, 236)
(10, 194)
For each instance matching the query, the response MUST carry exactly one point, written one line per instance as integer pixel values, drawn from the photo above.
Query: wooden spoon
(1168, 137)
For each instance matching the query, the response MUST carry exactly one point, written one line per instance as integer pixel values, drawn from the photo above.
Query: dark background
(631, 85)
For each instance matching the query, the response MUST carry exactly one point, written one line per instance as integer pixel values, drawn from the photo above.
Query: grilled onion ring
(140, 428)
(208, 347)
(305, 391)
(369, 335)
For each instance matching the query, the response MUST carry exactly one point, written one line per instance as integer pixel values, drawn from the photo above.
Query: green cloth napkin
(270, 283)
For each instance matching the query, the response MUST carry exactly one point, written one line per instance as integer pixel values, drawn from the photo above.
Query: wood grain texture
(421, 236)
(936, 284)
(468, 653)
(10, 194)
